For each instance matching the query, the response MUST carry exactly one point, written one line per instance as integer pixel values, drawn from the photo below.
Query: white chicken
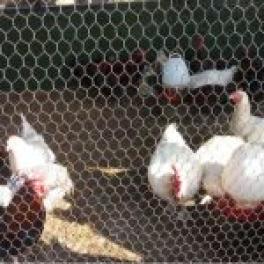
(214, 154)
(176, 76)
(31, 159)
(243, 123)
(212, 77)
(243, 175)
(174, 172)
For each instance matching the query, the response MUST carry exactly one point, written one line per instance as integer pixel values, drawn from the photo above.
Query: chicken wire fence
(76, 72)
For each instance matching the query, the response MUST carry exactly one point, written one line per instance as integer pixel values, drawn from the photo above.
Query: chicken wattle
(57, 181)
(174, 172)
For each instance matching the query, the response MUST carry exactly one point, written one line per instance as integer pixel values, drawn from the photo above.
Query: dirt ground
(112, 215)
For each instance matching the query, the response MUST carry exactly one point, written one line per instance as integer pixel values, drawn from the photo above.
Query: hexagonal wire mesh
(75, 72)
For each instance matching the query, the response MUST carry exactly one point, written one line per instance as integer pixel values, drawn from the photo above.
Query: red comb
(235, 97)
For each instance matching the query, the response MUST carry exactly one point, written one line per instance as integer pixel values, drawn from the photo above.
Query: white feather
(175, 74)
(29, 149)
(173, 151)
(214, 154)
(243, 176)
(29, 155)
(56, 179)
(29, 134)
(172, 135)
(23, 156)
(244, 124)
(212, 77)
